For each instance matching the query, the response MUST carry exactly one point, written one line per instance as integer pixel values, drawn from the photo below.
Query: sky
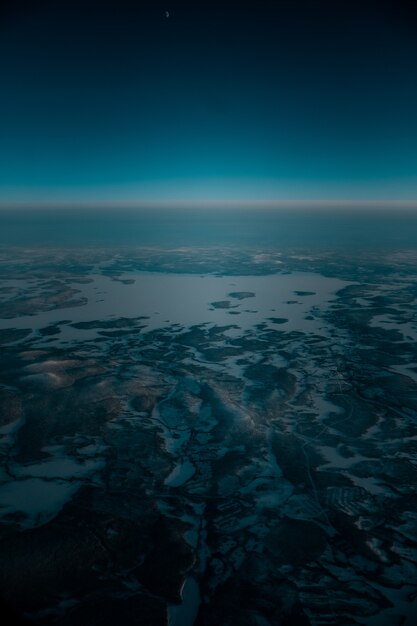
(147, 102)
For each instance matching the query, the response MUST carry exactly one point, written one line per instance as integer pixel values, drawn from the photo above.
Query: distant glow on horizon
(217, 191)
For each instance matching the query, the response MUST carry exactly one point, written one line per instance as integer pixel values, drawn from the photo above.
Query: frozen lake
(281, 301)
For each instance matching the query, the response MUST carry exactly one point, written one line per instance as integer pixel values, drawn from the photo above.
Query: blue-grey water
(201, 227)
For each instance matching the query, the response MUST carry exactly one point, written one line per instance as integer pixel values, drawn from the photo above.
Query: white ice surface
(37, 499)
(185, 299)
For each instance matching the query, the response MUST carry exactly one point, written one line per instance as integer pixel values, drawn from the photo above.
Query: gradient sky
(104, 101)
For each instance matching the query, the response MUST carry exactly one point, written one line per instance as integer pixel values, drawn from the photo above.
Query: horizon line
(189, 203)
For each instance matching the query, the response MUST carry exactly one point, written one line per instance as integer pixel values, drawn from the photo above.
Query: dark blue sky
(104, 101)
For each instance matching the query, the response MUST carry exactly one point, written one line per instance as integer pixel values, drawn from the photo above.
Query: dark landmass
(263, 476)
(241, 295)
